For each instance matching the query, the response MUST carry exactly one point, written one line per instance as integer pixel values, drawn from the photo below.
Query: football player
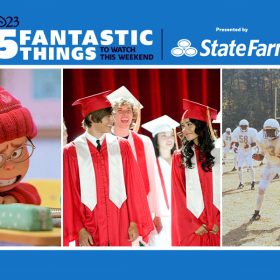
(226, 143)
(268, 142)
(227, 140)
(243, 138)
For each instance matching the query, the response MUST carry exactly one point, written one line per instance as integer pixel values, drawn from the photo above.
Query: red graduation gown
(107, 224)
(24, 193)
(141, 159)
(184, 223)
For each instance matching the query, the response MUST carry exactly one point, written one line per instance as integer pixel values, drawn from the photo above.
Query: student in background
(126, 109)
(163, 130)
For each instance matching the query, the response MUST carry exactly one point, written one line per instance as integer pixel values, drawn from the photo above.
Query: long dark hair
(205, 146)
(156, 146)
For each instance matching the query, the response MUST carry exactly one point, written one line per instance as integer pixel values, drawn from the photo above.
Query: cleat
(233, 169)
(276, 177)
(241, 186)
(256, 216)
(253, 185)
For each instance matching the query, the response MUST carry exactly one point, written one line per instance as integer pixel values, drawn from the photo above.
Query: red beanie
(15, 120)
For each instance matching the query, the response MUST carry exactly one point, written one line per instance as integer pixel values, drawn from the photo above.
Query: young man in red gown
(104, 204)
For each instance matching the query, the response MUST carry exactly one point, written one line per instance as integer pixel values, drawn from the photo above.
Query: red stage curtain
(159, 90)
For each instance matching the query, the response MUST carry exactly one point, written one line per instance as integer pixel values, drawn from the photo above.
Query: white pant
(243, 156)
(226, 150)
(268, 173)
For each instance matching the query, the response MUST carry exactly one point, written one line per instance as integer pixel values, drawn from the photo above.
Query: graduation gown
(144, 153)
(24, 193)
(163, 239)
(184, 222)
(107, 224)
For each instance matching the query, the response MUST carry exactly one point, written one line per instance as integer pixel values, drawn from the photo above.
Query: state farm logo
(184, 48)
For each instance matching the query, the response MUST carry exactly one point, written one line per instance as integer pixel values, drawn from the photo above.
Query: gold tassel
(211, 130)
(176, 140)
(138, 120)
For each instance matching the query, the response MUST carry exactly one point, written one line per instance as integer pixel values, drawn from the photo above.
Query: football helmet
(244, 124)
(271, 129)
(228, 130)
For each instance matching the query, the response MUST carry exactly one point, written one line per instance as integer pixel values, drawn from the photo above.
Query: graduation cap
(219, 118)
(197, 111)
(161, 124)
(93, 103)
(124, 93)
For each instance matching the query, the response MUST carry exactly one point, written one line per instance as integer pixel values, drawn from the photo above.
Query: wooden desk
(32, 238)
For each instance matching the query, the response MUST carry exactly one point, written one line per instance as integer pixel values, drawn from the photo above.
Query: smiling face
(104, 126)
(166, 140)
(12, 172)
(123, 116)
(188, 130)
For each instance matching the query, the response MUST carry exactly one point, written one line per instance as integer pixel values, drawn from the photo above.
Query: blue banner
(132, 264)
(151, 34)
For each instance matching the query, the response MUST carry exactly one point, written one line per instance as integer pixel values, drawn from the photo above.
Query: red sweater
(24, 193)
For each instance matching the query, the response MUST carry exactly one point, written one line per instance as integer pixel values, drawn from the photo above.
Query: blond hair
(119, 102)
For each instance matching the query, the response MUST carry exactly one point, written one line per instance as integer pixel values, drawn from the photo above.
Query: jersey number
(243, 139)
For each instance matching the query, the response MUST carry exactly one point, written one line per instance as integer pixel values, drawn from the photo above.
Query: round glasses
(20, 154)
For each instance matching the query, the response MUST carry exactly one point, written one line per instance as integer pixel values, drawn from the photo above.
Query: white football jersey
(269, 148)
(244, 137)
(227, 139)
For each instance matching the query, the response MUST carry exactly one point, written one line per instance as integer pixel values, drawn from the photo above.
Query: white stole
(194, 194)
(117, 190)
(155, 197)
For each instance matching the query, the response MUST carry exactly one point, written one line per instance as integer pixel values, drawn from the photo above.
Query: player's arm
(258, 155)
(253, 144)
(259, 151)
(234, 145)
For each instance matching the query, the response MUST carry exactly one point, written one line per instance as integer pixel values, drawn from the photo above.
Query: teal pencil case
(26, 217)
